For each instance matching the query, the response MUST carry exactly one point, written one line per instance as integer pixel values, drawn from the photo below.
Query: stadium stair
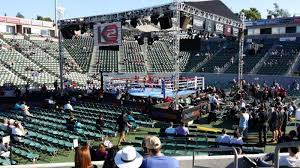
(262, 60)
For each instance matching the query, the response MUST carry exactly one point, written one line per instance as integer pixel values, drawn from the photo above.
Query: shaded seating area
(134, 60)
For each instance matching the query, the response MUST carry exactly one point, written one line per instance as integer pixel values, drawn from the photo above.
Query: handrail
(226, 149)
(283, 145)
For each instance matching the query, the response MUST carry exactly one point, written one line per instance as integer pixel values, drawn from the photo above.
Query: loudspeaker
(154, 19)
(165, 22)
(133, 22)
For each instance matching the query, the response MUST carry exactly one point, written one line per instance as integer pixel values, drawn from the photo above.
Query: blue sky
(77, 8)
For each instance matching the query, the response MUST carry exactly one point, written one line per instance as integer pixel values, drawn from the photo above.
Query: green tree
(38, 17)
(278, 12)
(251, 14)
(19, 15)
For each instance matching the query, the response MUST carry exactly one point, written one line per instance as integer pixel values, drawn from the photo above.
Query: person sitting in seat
(100, 123)
(4, 149)
(101, 153)
(181, 130)
(237, 139)
(131, 121)
(25, 109)
(223, 138)
(70, 123)
(291, 160)
(18, 132)
(68, 107)
(18, 106)
(170, 130)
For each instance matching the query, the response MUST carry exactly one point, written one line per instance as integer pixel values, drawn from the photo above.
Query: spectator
(156, 158)
(223, 138)
(243, 124)
(128, 157)
(263, 126)
(100, 123)
(145, 151)
(170, 130)
(4, 149)
(25, 109)
(83, 158)
(273, 125)
(131, 121)
(289, 138)
(18, 132)
(109, 161)
(68, 107)
(70, 122)
(122, 121)
(292, 160)
(237, 139)
(101, 153)
(18, 106)
(181, 130)
(55, 85)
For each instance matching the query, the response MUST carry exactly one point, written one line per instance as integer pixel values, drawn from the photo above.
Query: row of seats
(134, 60)
(81, 49)
(108, 60)
(281, 59)
(158, 58)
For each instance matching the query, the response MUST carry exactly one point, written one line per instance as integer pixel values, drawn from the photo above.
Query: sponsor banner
(287, 39)
(249, 23)
(235, 31)
(36, 23)
(48, 24)
(198, 23)
(13, 20)
(209, 25)
(287, 21)
(108, 34)
(2, 19)
(25, 21)
(297, 21)
(219, 27)
(227, 30)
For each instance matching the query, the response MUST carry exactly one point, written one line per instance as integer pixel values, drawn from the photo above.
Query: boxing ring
(155, 87)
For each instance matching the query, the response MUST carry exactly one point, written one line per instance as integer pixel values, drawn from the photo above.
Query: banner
(2, 19)
(219, 28)
(227, 30)
(13, 20)
(198, 23)
(36, 23)
(235, 31)
(25, 21)
(108, 34)
(209, 25)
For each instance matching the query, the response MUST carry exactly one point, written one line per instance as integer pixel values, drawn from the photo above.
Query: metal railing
(283, 145)
(225, 149)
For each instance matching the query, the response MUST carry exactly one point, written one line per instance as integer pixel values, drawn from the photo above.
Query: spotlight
(133, 22)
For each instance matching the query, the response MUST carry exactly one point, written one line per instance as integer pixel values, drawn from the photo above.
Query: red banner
(227, 30)
(108, 34)
(2, 19)
(13, 20)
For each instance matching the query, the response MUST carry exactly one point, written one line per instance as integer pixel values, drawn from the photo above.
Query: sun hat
(128, 157)
(153, 143)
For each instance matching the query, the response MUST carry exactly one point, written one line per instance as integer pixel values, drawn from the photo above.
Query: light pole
(241, 52)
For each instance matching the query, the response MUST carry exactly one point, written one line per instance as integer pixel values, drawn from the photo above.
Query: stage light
(133, 22)
(154, 19)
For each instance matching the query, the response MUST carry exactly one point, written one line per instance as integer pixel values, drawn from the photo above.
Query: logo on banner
(219, 27)
(108, 34)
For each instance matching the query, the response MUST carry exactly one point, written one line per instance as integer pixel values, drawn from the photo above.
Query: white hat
(128, 157)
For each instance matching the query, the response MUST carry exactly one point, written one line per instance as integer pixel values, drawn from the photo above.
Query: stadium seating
(250, 60)
(7, 77)
(208, 49)
(281, 58)
(108, 60)
(219, 60)
(23, 67)
(158, 58)
(81, 49)
(134, 60)
(35, 54)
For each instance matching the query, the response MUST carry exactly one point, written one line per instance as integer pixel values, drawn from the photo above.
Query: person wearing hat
(128, 157)
(243, 123)
(156, 158)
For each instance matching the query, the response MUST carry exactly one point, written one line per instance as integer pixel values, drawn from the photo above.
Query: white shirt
(224, 138)
(17, 131)
(170, 130)
(290, 161)
(68, 107)
(237, 141)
